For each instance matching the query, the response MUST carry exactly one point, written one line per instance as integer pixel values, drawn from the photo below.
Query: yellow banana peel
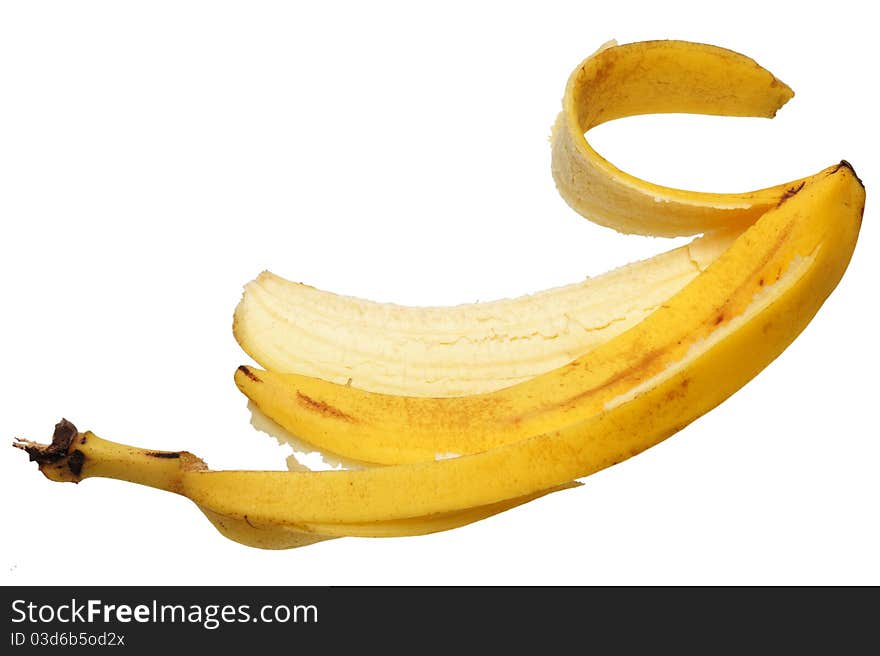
(786, 249)
(392, 429)
(654, 77)
(475, 348)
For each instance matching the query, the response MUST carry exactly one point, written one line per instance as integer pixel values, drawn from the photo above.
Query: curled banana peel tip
(467, 411)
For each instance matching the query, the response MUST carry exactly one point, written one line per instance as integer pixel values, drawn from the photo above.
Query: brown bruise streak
(791, 191)
(249, 374)
(646, 366)
(323, 408)
(639, 367)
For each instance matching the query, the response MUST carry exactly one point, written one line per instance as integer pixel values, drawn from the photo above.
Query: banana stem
(73, 456)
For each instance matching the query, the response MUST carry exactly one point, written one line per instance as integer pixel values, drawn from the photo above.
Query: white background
(155, 156)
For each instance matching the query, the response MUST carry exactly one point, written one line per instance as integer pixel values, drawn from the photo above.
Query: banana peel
(73, 456)
(751, 303)
(289, 327)
(637, 388)
(392, 429)
(654, 77)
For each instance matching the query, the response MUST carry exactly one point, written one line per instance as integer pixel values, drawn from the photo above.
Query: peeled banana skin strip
(789, 248)
(654, 77)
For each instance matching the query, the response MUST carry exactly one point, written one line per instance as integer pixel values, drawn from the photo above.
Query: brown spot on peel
(163, 454)
(75, 462)
(249, 374)
(323, 408)
(791, 191)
